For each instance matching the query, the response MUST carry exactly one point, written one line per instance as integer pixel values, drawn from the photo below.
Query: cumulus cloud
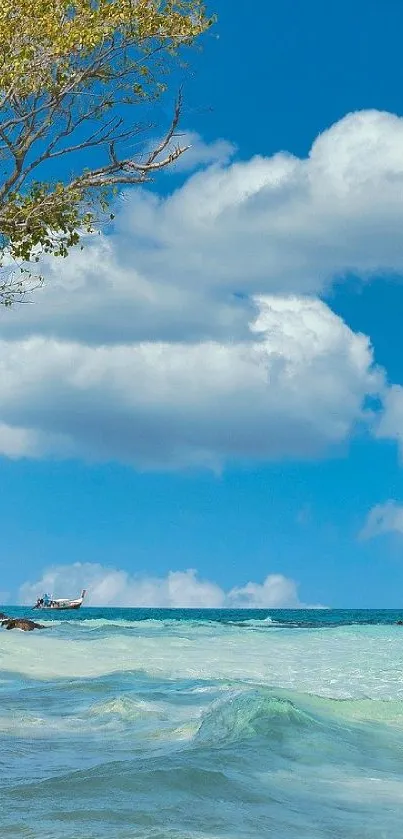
(193, 334)
(297, 386)
(390, 424)
(281, 223)
(187, 265)
(382, 519)
(179, 589)
(276, 591)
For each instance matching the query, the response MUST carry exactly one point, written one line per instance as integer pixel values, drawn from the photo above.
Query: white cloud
(382, 519)
(297, 386)
(274, 592)
(179, 589)
(190, 335)
(277, 225)
(199, 153)
(281, 224)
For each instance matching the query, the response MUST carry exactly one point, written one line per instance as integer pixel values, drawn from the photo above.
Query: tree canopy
(72, 75)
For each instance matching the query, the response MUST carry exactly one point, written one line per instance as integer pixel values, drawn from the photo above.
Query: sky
(205, 406)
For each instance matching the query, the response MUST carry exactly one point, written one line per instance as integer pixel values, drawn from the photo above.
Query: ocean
(161, 724)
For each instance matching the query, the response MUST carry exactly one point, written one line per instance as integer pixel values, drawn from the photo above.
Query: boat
(63, 603)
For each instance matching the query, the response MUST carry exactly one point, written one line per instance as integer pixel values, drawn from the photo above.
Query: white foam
(354, 662)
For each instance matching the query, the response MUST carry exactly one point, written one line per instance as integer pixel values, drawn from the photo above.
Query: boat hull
(59, 608)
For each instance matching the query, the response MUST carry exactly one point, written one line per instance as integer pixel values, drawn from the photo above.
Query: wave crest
(252, 714)
(126, 708)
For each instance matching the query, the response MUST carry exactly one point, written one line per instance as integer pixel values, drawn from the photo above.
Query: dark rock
(21, 623)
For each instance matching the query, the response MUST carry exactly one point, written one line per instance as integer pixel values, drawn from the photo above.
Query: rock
(21, 623)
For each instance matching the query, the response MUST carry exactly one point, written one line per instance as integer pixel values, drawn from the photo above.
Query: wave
(248, 715)
(180, 623)
(258, 622)
(151, 625)
(128, 709)
(211, 715)
(279, 716)
(211, 620)
(99, 623)
(347, 662)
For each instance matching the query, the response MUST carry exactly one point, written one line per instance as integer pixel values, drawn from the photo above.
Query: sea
(188, 724)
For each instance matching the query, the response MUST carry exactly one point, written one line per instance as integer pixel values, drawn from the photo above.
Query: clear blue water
(160, 724)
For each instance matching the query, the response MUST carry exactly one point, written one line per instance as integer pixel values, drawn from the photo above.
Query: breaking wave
(197, 729)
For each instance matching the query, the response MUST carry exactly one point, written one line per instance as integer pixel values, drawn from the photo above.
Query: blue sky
(207, 470)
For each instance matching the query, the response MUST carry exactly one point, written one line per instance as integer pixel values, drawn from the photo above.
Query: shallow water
(200, 725)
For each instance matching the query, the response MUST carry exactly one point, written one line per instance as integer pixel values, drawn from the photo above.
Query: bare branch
(168, 137)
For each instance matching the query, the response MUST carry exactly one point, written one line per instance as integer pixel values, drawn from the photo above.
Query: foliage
(71, 72)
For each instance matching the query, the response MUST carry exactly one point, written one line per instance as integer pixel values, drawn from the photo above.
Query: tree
(71, 73)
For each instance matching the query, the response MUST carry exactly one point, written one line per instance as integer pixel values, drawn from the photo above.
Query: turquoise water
(157, 724)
